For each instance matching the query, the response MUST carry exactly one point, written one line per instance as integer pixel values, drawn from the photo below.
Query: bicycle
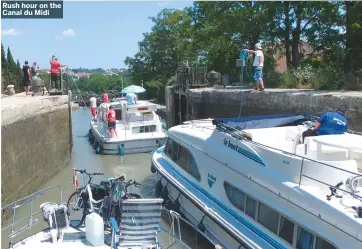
(110, 206)
(82, 201)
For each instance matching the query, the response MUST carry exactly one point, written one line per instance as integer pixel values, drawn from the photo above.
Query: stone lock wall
(225, 102)
(34, 147)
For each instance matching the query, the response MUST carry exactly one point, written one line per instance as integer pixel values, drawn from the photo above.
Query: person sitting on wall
(131, 98)
(111, 117)
(329, 123)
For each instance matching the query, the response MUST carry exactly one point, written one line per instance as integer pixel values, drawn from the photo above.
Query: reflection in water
(134, 166)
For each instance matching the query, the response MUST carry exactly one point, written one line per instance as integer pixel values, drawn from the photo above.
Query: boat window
(175, 152)
(250, 208)
(118, 114)
(322, 244)
(268, 217)
(183, 157)
(236, 196)
(192, 168)
(305, 239)
(286, 229)
(152, 128)
(169, 148)
(144, 129)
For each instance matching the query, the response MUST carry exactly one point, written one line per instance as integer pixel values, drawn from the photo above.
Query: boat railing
(32, 216)
(174, 225)
(306, 167)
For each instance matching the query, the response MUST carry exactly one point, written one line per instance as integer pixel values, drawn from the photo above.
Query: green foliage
(11, 72)
(99, 82)
(320, 78)
(213, 32)
(155, 89)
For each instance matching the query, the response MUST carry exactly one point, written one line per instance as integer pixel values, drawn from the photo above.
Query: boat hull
(125, 146)
(196, 208)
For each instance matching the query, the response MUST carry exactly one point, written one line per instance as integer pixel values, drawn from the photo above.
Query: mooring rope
(244, 56)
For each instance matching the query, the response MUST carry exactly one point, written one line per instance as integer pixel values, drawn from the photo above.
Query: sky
(90, 35)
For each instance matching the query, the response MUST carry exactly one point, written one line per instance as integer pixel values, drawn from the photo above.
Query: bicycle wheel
(77, 210)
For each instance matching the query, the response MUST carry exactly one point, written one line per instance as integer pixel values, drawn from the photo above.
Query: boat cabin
(139, 117)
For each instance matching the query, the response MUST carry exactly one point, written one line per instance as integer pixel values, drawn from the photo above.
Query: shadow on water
(134, 166)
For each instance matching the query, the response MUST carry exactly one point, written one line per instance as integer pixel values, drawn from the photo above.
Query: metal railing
(30, 218)
(62, 80)
(179, 224)
(241, 135)
(238, 135)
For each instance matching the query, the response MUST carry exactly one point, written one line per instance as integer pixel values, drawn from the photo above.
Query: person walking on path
(258, 65)
(26, 78)
(54, 71)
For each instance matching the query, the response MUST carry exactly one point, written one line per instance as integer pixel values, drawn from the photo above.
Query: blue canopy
(133, 89)
(261, 121)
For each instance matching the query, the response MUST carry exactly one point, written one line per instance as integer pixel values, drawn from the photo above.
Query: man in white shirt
(258, 65)
(131, 98)
(93, 106)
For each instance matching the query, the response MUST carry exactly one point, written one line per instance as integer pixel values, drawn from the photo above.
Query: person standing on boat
(105, 97)
(111, 117)
(258, 65)
(329, 123)
(93, 106)
(131, 98)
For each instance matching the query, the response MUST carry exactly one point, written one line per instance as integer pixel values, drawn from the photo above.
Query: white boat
(152, 227)
(250, 183)
(139, 129)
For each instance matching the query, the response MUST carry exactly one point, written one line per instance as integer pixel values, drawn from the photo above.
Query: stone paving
(20, 106)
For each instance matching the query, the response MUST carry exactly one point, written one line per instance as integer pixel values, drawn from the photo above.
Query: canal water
(134, 166)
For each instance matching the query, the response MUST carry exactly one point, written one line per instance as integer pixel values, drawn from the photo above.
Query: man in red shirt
(54, 70)
(105, 97)
(111, 117)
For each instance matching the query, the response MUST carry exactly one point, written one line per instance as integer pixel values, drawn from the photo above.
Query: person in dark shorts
(329, 123)
(111, 117)
(54, 71)
(26, 78)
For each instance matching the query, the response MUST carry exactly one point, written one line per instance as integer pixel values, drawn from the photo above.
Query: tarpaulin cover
(261, 121)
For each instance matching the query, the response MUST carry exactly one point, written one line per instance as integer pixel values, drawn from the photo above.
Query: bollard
(37, 86)
(11, 89)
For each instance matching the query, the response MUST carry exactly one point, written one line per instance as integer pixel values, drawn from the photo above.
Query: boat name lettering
(210, 179)
(231, 145)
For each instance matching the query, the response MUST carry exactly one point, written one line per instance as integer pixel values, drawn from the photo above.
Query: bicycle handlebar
(132, 182)
(83, 171)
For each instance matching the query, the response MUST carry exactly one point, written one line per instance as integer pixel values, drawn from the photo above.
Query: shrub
(154, 90)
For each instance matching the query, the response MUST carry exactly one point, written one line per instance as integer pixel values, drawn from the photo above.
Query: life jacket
(111, 116)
